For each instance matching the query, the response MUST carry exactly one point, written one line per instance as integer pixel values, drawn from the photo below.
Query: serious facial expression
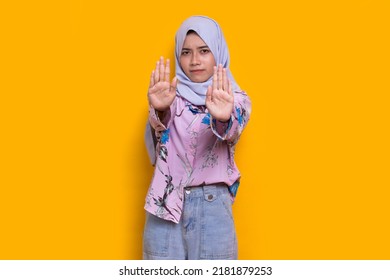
(196, 59)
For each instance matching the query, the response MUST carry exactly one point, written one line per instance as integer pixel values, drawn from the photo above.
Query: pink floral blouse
(193, 149)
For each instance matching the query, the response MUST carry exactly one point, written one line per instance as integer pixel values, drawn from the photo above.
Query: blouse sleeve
(232, 129)
(160, 125)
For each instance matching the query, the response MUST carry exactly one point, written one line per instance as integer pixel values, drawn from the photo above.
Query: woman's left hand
(219, 98)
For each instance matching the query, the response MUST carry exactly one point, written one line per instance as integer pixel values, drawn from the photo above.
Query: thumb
(174, 84)
(208, 94)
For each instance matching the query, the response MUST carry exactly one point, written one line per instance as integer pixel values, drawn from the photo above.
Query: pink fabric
(192, 149)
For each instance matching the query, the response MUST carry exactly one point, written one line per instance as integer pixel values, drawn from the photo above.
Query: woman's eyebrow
(201, 47)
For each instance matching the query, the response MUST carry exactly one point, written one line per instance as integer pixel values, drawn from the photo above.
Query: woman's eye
(185, 52)
(204, 51)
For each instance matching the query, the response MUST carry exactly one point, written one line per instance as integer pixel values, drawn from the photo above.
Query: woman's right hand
(161, 92)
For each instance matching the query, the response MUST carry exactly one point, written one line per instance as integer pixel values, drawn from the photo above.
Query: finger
(157, 72)
(167, 72)
(215, 78)
(220, 77)
(224, 80)
(151, 84)
(230, 91)
(162, 69)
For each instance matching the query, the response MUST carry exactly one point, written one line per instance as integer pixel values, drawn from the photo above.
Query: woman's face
(196, 59)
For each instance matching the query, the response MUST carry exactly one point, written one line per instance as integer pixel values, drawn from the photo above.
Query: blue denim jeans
(205, 231)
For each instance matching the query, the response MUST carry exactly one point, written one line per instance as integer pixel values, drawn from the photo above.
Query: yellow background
(314, 157)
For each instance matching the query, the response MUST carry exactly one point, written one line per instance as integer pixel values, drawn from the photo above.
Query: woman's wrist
(224, 120)
(160, 114)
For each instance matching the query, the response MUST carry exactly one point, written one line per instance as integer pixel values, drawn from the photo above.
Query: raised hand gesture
(219, 97)
(161, 92)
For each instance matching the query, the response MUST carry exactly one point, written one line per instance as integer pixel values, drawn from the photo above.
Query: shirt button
(210, 197)
(188, 191)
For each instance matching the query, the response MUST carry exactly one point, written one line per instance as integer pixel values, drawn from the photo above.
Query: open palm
(219, 98)
(161, 92)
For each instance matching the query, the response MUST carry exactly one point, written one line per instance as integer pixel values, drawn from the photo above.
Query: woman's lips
(196, 71)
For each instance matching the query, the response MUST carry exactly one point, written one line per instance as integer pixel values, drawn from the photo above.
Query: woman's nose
(194, 59)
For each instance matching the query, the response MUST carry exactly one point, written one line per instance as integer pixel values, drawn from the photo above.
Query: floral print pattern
(193, 149)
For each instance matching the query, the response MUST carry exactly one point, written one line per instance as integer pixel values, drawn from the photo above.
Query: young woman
(197, 119)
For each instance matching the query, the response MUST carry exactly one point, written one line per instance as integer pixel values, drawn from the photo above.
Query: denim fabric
(205, 231)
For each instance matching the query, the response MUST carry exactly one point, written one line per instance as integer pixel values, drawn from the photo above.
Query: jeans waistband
(202, 190)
